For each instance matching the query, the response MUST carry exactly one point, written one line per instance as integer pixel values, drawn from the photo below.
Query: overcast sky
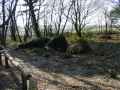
(98, 16)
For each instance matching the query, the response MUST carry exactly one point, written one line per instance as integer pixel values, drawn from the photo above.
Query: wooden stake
(6, 62)
(1, 59)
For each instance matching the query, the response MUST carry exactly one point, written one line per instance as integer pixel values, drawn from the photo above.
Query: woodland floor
(80, 72)
(8, 81)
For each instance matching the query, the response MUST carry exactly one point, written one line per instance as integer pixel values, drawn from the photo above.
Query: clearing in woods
(93, 71)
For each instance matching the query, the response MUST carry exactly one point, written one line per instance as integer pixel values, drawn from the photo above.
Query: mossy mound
(82, 46)
(58, 43)
(37, 43)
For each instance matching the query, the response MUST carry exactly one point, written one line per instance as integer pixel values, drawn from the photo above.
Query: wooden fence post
(6, 62)
(25, 79)
(1, 59)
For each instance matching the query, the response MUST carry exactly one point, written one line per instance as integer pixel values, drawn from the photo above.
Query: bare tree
(100, 26)
(81, 10)
(62, 11)
(6, 16)
(30, 4)
(108, 21)
(13, 27)
(3, 24)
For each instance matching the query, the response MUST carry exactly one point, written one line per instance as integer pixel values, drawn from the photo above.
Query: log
(25, 76)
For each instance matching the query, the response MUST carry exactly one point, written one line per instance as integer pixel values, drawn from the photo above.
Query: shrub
(36, 43)
(58, 43)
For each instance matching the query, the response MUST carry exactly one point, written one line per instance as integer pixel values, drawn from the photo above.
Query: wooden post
(6, 62)
(24, 85)
(1, 59)
(25, 81)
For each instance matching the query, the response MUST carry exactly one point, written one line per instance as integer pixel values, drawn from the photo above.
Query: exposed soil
(98, 70)
(8, 80)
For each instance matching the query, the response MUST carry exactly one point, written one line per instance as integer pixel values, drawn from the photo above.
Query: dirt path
(8, 81)
(84, 72)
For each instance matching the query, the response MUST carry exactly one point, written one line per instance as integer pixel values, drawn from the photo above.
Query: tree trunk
(33, 18)
(3, 41)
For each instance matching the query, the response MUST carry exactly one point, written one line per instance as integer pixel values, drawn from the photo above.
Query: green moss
(72, 38)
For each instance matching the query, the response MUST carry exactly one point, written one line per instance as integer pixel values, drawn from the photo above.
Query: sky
(115, 1)
(98, 16)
